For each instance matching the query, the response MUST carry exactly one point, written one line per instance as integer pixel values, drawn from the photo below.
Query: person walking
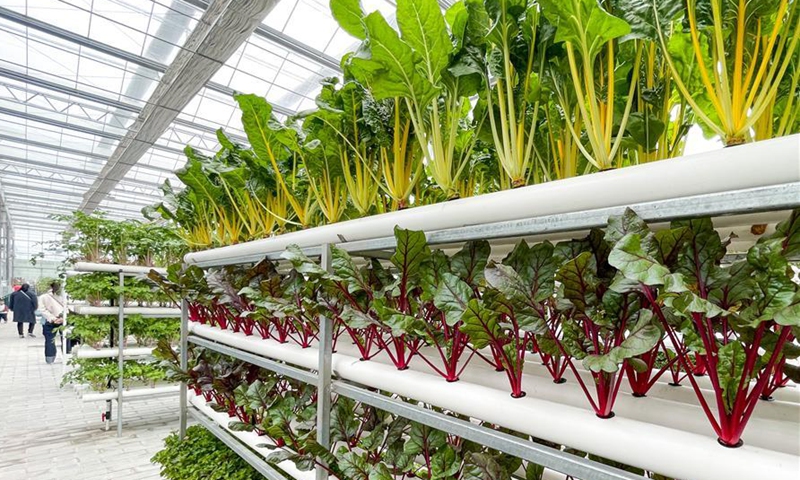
(24, 303)
(3, 311)
(53, 312)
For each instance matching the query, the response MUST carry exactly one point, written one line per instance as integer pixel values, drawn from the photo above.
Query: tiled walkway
(47, 433)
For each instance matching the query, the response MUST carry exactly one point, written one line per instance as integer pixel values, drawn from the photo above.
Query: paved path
(47, 433)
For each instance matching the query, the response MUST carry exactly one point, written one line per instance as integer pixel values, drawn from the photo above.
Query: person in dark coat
(24, 303)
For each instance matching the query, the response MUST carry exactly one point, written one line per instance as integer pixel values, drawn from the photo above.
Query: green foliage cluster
(103, 288)
(494, 94)
(611, 300)
(102, 374)
(201, 456)
(368, 443)
(96, 238)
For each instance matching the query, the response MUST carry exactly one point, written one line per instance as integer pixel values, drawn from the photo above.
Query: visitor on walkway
(53, 312)
(24, 303)
(3, 311)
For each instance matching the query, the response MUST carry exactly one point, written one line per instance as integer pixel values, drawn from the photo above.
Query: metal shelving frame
(121, 273)
(738, 202)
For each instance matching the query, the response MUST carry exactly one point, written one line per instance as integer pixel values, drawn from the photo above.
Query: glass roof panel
(44, 103)
(55, 12)
(74, 135)
(58, 61)
(25, 129)
(310, 23)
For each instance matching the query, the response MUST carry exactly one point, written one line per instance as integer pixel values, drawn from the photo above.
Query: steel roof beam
(82, 129)
(92, 97)
(73, 151)
(77, 39)
(33, 165)
(56, 87)
(286, 42)
(224, 26)
(59, 124)
(114, 52)
(119, 196)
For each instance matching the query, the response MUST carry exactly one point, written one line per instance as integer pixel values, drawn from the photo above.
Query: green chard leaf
(583, 23)
(390, 66)
(469, 262)
(481, 466)
(647, 17)
(423, 27)
(628, 222)
(301, 262)
(349, 15)
(579, 277)
(730, 368)
(412, 251)
(480, 324)
(452, 297)
(345, 268)
(629, 257)
(790, 316)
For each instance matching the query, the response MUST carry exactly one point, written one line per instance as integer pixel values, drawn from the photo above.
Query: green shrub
(201, 456)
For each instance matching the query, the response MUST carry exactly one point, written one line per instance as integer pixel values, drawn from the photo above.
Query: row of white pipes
(718, 171)
(143, 392)
(646, 444)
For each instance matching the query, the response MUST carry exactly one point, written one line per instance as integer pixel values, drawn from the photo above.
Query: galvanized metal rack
(740, 202)
(122, 271)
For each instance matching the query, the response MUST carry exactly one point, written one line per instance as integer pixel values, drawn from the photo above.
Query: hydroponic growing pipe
(665, 450)
(718, 171)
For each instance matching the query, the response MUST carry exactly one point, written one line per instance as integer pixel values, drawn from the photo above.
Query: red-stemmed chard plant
(742, 315)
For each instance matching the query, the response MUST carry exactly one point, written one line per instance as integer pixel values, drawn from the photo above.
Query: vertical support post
(65, 325)
(184, 345)
(120, 346)
(324, 381)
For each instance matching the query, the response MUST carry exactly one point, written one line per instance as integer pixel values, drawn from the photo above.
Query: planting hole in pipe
(727, 445)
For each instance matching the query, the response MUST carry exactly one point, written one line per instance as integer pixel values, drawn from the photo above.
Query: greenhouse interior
(400, 239)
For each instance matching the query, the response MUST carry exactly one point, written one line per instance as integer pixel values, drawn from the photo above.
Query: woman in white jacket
(52, 308)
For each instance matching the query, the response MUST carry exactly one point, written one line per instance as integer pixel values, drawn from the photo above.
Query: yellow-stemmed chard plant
(421, 65)
(277, 150)
(603, 73)
(741, 49)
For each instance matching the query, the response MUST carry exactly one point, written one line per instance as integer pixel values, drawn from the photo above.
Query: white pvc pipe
(87, 267)
(251, 439)
(778, 432)
(86, 352)
(656, 448)
(144, 392)
(766, 163)
(148, 311)
(786, 399)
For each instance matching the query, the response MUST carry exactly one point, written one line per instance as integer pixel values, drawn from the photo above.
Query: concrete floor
(47, 432)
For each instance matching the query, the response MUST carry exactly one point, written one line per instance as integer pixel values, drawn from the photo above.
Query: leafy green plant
(515, 58)
(741, 317)
(596, 58)
(91, 330)
(424, 68)
(741, 51)
(201, 456)
(102, 374)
